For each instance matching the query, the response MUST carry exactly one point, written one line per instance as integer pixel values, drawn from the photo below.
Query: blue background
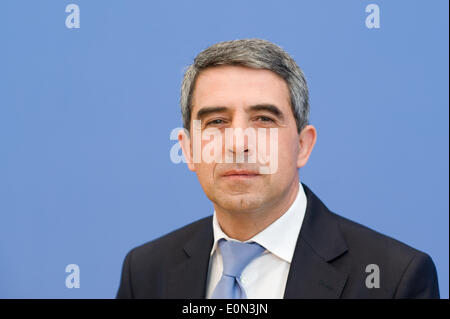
(86, 114)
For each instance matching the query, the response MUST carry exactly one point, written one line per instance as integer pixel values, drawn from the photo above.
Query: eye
(215, 122)
(264, 119)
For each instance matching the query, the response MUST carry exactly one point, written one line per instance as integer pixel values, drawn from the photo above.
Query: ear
(185, 143)
(307, 140)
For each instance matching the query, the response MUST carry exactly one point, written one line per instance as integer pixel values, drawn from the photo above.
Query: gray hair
(253, 53)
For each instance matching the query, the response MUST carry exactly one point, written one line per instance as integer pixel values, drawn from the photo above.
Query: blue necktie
(235, 256)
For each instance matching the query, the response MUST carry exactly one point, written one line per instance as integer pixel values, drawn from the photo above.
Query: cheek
(288, 150)
(205, 173)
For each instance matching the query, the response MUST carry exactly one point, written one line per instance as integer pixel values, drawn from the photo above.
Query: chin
(238, 203)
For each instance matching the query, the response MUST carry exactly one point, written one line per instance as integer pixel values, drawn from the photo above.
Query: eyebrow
(269, 108)
(210, 109)
(258, 107)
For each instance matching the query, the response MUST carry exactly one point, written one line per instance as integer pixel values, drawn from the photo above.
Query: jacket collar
(320, 241)
(188, 279)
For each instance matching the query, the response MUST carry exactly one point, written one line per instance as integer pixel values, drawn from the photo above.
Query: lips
(240, 173)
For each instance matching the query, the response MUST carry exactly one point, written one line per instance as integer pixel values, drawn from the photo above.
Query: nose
(238, 140)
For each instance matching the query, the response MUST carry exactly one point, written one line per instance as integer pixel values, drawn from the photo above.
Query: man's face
(230, 97)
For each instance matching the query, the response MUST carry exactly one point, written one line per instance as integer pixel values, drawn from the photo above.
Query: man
(270, 236)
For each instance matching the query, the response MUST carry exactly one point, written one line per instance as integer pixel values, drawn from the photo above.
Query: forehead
(239, 86)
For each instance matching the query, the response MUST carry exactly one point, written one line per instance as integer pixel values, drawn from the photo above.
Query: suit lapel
(188, 278)
(320, 241)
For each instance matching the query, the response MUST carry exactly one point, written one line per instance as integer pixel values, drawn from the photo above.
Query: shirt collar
(280, 237)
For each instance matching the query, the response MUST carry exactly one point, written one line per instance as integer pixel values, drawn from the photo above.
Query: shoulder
(405, 271)
(171, 244)
(355, 249)
(326, 227)
(360, 237)
(145, 268)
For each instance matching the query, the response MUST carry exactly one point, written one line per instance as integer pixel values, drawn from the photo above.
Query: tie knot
(236, 255)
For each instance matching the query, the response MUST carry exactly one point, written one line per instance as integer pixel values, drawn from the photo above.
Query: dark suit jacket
(330, 261)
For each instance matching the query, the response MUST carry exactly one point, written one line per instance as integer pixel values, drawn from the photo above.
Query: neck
(244, 225)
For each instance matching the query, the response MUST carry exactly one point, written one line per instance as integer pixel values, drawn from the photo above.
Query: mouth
(240, 174)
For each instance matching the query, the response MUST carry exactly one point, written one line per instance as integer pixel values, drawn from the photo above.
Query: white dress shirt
(264, 277)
